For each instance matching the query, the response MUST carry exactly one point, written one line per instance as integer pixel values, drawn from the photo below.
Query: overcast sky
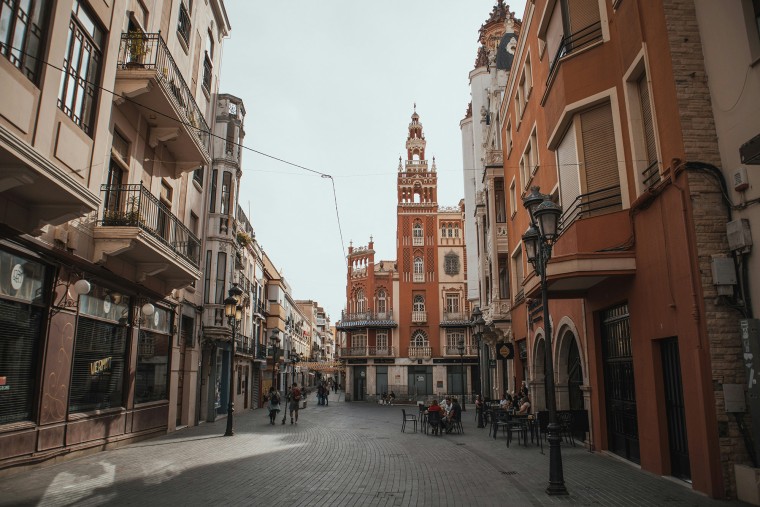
(330, 85)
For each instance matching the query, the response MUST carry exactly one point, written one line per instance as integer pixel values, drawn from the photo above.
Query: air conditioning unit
(750, 151)
(741, 182)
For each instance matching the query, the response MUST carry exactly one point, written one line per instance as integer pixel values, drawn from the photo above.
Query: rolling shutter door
(569, 178)
(583, 13)
(600, 160)
(20, 326)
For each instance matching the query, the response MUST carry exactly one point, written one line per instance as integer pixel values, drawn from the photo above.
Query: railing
(416, 162)
(263, 353)
(573, 42)
(261, 308)
(590, 204)
(420, 353)
(183, 28)
(453, 350)
(418, 277)
(651, 175)
(149, 51)
(365, 316)
(244, 346)
(368, 351)
(419, 316)
(418, 241)
(454, 316)
(135, 206)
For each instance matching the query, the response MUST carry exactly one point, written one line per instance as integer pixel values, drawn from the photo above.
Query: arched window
(419, 303)
(381, 301)
(419, 339)
(360, 301)
(419, 270)
(456, 231)
(417, 234)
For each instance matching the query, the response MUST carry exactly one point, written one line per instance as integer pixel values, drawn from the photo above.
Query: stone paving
(342, 454)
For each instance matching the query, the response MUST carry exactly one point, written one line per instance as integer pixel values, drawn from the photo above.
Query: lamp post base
(556, 476)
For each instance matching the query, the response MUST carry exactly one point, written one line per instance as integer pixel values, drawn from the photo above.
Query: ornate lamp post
(478, 325)
(460, 348)
(233, 309)
(274, 340)
(538, 241)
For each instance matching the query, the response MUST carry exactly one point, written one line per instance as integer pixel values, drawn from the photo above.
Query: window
(381, 339)
(114, 195)
(184, 24)
(120, 146)
(451, 264)
(641, 124)
(512, 198)
(382, 303)
(194, 223)
(207, 62)
(452, 303)
(419, 273)
(527, 79)
(207, 277)
(359, 340)
(198, 176)
(212, 205)
(419, 303)
(22, 320)
(456, 230)
(22, 35)
(500, 201)
(453, 337)
(81, 65)
(533, 152)
(226, 193)
(525, 168)
(517, 269)
(503, 277)
(153, 344)
(167, 193)
(508, 136)
(417, 235)
(419, 339)
(361, 302)
(221, 277)
(229, 147)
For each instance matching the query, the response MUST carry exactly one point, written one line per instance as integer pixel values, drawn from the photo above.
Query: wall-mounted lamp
(148, 309)
(81, 287)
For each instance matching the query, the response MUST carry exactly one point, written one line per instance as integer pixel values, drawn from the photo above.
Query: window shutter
(583, 13)
(554, 32)
(647, 120)
(567, 161)
(600, 155)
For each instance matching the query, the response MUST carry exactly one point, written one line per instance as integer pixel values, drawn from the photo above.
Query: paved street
(343, 454)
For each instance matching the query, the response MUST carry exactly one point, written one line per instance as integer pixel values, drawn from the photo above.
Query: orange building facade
(405, 325)
(607, 113)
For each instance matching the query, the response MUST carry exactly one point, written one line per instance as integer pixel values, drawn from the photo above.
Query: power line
(7, 47)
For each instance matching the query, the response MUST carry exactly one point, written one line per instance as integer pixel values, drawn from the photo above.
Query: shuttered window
(554, 32)
(152, 370)
(583, 13)
(20, 326)
(647, 120)
(600, 157)
(567, 161)
(97, 376)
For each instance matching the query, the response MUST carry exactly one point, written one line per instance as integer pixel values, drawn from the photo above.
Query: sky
(330, 85)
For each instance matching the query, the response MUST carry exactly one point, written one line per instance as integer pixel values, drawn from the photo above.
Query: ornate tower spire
(416, 184)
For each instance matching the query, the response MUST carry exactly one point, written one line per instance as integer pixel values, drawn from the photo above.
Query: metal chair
(565, 420)
(516, 424)
(408, 418)
(434, 420)
(499, 419)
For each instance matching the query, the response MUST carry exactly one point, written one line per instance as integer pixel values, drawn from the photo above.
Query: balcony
(418, 241)
(138, 228)
(418, 277)
(594, 246)
(366, 319)
(583, 38)
(455, 319)
(419, 317)
(368, 351)
(420, 352)
(148, 77)
(453, 350)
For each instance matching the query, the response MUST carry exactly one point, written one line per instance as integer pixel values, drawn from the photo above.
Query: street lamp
(234, 312)
(274, 340)
(538, 241)
(460, 347)
(478, 325)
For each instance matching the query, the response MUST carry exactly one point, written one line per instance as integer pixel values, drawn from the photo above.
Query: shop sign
(492, 363)
(100, 366)
(3, 384)
(420, 378)
(17, 277)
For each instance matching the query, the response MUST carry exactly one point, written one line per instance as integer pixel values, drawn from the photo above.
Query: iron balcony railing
(574, 42)
(362, 316)
(139, 51)
(593, 203)
(245, 346)
(135, 206)
(454, 316)
(453, 350)
(368, 351)
(651, 175)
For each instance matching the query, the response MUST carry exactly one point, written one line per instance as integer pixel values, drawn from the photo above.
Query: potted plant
(138, 47)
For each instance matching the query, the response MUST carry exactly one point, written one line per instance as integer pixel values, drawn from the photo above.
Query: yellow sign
(100, 366)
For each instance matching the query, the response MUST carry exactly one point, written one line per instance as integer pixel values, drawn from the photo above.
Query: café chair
(408, 418)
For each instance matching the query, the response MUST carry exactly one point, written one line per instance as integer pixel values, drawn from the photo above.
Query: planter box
(747, 484)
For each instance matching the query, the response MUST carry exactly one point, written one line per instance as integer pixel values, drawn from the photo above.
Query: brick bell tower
(417, 255)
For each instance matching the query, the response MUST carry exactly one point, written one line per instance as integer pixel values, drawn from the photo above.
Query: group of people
(293, 398)
(323, 394)
(387, 398)
(517, 403)
(450, 413)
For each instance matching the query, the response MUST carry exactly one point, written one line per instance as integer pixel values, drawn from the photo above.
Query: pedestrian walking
(327, 396)
(295, 399)
(273, 405)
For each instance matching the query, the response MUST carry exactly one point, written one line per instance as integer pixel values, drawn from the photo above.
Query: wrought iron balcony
(599, 202)
(366, 319)
(575, 42)
(368, 351)
(455, 319)
(453, 350)
(135, 206)
(148, 76)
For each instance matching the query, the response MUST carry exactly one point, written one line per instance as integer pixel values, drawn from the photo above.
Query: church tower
(417, 255)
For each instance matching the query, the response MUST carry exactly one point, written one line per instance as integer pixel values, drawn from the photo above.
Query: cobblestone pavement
(341, 454)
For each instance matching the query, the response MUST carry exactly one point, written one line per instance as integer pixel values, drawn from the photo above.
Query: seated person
(384, 398)
(446, 405)
(524, 408)
(391, 397)
(506, 401)
(435, 408)
(454, 415)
